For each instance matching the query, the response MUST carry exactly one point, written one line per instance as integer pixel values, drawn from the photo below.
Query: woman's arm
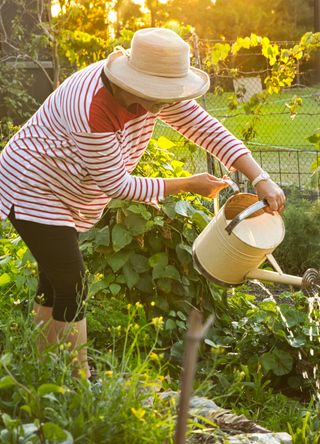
(266, 189)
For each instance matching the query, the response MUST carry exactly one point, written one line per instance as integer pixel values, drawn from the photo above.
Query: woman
(77, 152)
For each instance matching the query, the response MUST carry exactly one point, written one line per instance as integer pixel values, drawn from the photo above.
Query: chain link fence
(277, 135)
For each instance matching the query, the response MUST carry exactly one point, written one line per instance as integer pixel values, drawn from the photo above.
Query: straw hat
(157, 67)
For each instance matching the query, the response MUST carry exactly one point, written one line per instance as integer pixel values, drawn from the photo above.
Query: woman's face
(127, 99)
(152, 107)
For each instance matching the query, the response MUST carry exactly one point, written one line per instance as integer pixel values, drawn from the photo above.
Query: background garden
(260, 358)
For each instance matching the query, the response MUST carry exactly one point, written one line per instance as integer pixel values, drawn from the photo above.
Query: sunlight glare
(55, 8)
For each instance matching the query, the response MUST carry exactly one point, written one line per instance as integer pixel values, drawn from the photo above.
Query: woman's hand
(207, 185)
(204, 184)
(270, 191)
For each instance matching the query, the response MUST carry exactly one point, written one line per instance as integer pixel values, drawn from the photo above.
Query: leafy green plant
(300, 248)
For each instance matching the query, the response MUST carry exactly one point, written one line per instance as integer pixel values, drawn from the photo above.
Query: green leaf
(165, 285)
(140, 209)
(115, 289)
(53, 432)
(278, 361)
(7, 381)
(158, 259)
(292, 315)
(184, 208)
(181, 325)
(296, 342)
(5, 279)
(27, 408)
(145, 283)
(200, 220)
(181, 315)
(6, 359)
(169, 209)
(184, 253)
(102, 237)
(99, 286)
(120, 237)
(44, 389)
(170, 325)
(136, 224)
(268, 305)
(140, 263)
(164, 143)
(132, 277)
(117, 260)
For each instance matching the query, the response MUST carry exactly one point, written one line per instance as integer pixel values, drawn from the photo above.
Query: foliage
(283, 70)
(300, 248)
(7, 130)
(283, 61)
(15, 103)
(145, 255)
(279, 19)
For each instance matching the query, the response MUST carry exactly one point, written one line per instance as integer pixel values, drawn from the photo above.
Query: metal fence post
(197, 56)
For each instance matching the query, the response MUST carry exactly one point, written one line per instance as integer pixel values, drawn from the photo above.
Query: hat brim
(150, 87)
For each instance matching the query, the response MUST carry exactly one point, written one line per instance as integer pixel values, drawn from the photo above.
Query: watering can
(240, 238)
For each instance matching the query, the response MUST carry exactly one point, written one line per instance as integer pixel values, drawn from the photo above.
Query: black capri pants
(62, 278)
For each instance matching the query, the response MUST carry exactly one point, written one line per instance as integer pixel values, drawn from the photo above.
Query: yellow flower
(108, 373)
(158, 322)
(129, 306)
(138, 413)
(152, 303)
(139, 305)
(153, 356)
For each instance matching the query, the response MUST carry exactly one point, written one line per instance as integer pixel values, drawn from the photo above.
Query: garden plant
(260, 358)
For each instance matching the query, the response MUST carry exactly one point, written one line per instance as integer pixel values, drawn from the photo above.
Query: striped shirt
(78, 150)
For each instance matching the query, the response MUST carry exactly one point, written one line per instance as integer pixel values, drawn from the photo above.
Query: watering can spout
(273, 276)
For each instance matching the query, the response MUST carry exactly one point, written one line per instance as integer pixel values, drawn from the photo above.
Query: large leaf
(145, 283)
(184, 208)
(167, 272)
(140, 209)
(117, 260)
(278, 361)
(132, 277)
(115, 289)
(159, 259)
(120, 237)
(292, 315)
(184, 253)
(102, 237)
(140, 263)
(136, 224)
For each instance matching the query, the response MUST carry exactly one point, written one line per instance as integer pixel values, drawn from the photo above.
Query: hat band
(158, 74)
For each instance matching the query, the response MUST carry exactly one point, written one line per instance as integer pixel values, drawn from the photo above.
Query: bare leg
(76, 334)
(53, 332)
(43, 316)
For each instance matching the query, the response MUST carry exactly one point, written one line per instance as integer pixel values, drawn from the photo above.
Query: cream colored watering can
(240, 238)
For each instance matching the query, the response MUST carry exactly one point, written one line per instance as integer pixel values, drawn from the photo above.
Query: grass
(277, 135)
(276, 128)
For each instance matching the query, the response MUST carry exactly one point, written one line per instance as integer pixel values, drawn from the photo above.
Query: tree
(279, 19)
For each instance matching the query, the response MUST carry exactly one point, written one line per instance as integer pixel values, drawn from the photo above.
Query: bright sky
(55, 8)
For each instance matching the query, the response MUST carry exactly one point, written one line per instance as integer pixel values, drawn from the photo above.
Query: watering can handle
(246, 213)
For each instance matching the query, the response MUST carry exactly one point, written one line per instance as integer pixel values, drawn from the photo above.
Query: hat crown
(159, 52)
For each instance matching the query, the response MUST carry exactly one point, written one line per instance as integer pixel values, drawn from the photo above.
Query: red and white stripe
(56, 171)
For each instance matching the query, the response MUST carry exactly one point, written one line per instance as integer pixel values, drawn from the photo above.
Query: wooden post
(195, 333)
